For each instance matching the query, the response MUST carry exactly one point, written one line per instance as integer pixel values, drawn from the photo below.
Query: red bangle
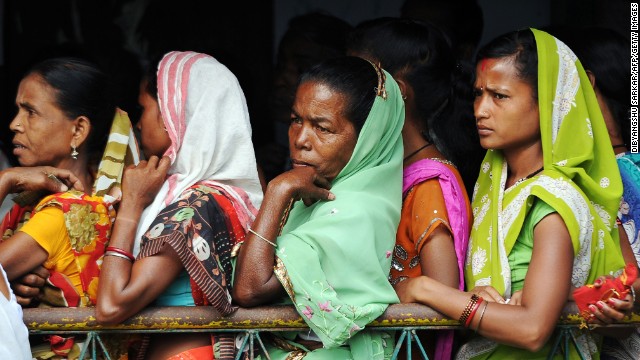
(121, 252)
(473, 312)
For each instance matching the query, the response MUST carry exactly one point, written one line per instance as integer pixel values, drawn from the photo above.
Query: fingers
(41, 271)
(516, 298)
(164, 164)
(490, 294)
(67, 177)
(23, 302)
(604, 314)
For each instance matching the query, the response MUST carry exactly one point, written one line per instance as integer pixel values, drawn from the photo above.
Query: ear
(81, 130)
(405, 89)
(592, 78)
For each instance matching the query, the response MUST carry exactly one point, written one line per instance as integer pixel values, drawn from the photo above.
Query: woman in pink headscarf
(184, 209)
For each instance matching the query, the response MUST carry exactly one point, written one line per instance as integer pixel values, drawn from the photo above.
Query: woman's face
(154, 139)
(43, 134)
(506, 111)
(320, 135)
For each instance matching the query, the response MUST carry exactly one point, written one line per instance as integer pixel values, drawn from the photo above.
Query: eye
(500, 96)
(477, 92)
(322, 129)
(295, 120)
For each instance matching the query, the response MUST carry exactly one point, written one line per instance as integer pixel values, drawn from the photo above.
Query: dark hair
(151, 77)
(81, 89)
(326, 31)
(461, 20)
(606, 54)
(419, 53)
(351, 76)
(521, 45)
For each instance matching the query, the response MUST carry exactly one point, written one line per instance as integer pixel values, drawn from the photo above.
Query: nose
(480, 107)
(300, 137)
(16, 124)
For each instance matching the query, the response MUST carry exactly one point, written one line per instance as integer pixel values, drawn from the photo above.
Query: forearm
(255, 281)
(521, 326)
(115, 275)
(5, 186)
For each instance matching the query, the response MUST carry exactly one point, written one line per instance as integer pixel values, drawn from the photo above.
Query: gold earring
(74, 152)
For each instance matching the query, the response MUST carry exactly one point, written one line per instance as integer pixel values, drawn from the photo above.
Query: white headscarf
(206, 117)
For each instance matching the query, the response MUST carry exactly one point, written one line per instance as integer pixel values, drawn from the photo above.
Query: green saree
(334, 257)
(580, 182)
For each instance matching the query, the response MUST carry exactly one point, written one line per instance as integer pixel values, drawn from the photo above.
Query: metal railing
(405, 318)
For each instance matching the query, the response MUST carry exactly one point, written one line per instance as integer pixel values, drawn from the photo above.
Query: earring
(404, 97)
(74, 152)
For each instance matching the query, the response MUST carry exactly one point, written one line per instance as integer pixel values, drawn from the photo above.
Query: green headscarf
(580, 180)
(334, 257)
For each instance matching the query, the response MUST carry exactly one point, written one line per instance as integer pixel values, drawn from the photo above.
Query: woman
(64, 115)
(436, 215)
(333, 255)
(544, 208)
(14, 339)
(182, 226)
(65, 111)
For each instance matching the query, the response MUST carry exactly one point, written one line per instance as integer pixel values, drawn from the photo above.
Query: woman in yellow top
(65, 111)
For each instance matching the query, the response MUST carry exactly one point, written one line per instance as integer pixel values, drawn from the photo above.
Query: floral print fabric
(88, 220)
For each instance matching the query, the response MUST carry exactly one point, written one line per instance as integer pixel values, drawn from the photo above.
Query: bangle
(486, 305)
(473, 312)
(633, 294)
(467, 310)
(113, 253)
(128, 255)
(263, 238)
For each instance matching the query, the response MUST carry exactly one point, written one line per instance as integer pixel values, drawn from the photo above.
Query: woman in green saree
(333, 255)
(544, 205)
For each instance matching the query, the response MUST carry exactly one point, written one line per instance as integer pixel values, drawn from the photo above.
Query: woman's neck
(415, 146)
(523, 162)
(80, 168)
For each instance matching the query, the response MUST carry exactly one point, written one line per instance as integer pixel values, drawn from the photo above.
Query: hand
(488, 293)
(28, 288)
(516, 298)
(405, 290)
(302, 183)
(141, 183)
(610, 311)
(20, 179)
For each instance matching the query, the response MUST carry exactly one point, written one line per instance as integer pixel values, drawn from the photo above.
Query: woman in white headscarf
(197, 194)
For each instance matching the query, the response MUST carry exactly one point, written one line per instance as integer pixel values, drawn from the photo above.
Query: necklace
(417, 151)
(527, 177)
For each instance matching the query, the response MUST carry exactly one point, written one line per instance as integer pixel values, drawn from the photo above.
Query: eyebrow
(27, 106)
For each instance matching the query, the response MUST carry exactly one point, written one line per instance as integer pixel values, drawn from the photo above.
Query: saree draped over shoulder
(433, 195)
(333, 257)
(212, 190)
(580, 182)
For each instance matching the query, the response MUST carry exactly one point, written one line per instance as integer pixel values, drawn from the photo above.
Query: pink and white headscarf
(206, 117)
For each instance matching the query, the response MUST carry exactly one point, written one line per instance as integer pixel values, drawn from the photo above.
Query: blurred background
(124, 36)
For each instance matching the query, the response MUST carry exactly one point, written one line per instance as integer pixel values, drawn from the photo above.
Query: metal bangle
(263, 238)
(481, 316)
(113, 253)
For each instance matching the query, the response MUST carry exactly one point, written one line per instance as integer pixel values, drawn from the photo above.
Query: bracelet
(486, 305)
(473, 312)
(263, 238)
(467, 310)
(633, 295)
(128, 255)
(113, 253)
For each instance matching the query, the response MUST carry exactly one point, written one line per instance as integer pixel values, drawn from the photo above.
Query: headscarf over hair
(580, 180)
(333, 257)
(206, 117)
